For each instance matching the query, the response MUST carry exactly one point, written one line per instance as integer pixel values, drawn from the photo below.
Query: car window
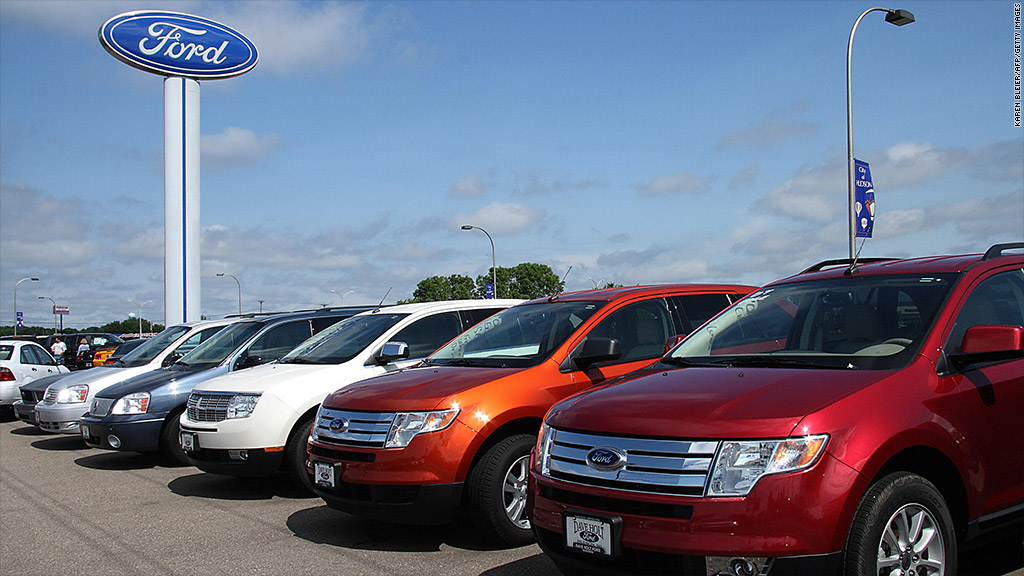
(475, 316)
(6, 351)
(196, 339)
(344, 340)
(642, 329)
(428, 334)
(996, 300)
(280, 340)
(28, 355)
(699, 308)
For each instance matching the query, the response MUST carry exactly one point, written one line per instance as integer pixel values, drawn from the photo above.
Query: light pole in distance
(16, 301)
(494, 265)
(239, 290)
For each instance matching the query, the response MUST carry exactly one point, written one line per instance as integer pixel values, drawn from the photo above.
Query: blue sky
(637, 142)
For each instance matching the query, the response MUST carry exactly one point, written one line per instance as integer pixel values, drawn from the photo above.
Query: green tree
(454, 287)
(527, 280)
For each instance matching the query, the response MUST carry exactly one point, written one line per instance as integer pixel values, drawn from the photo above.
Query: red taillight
(6, 375)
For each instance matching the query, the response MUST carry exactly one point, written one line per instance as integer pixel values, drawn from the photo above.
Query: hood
(40, 384)
(151, 380)
(259, 379)
(718, 402)
(413, 389)
(99, 377)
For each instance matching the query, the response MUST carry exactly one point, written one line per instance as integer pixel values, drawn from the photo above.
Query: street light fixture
(16, 301)
(140, 313)
(239, 290)
(898, 18)
(342, 296)
(54, 311)
(494, 265)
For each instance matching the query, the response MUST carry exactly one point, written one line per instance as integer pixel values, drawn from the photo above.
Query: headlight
(544, 440)
(740, 464)
(242, 405)
(73, 394)
(408, 424)
(136, 403)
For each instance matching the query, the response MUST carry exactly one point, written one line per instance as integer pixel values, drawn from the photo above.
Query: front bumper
(419, 484)
(61, 418)
(798, 521)
(25, 412)
(130, 433)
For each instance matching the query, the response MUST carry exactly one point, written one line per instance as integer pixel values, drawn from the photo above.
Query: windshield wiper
(676, 361)
(298, 360)
(763, 360)
(464, 362)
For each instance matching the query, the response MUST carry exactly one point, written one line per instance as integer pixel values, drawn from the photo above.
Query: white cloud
(469, 186)
(681, 183)
(235, 147)
(501, 218)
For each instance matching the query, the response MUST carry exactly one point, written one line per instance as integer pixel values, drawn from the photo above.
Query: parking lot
(67, 508)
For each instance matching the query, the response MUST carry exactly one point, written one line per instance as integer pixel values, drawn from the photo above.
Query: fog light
(114, 441)
(736, 566)
(238, 454)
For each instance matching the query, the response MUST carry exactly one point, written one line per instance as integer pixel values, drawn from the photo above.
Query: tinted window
(642, 329)
(280, 340)
(153, 347)
(699, 308)
(997, 300)
(223, 343)
(474, 317)
(428, 334)
(6, 351)
(343, 341)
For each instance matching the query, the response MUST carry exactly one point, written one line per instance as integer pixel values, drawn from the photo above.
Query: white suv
(256, 422)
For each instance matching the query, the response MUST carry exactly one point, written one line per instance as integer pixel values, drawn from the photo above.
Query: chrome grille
(653, 466)
(101, 407)
(365, 429)
(208, 407)
(51, 396)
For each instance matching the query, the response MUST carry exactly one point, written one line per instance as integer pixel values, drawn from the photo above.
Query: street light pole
(494, 265)
(16, 301)
(239, 290)
(140, 313)
(54, 311)
(898, 18)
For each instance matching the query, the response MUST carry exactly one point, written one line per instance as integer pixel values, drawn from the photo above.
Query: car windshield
(5, 352)
(873, 322)
(517, 337)
(220, 345)
(149, 350)
(342, 341)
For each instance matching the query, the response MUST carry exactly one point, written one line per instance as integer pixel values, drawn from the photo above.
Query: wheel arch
(521, 425)
(935, 466)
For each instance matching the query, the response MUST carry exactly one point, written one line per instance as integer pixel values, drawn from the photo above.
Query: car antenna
(377, 309)
(554, 297)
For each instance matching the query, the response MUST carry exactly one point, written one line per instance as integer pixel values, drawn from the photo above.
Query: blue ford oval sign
(606, 458)
(175, 44)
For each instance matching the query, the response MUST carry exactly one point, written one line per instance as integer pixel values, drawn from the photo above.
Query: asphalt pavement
(66, 508)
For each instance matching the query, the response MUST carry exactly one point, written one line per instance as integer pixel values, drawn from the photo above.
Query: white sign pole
(181, 201)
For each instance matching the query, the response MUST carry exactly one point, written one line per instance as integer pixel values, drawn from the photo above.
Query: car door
(990, 396)
(36, 362)
(423, 336)
(642, 329)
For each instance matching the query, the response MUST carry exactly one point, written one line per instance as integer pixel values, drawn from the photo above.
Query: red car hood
(710, 402)
(414, 389)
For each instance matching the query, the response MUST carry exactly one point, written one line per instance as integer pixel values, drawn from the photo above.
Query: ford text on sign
(174, 44)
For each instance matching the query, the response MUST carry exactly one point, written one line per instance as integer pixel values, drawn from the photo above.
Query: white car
(256, 422)
(22, 361)
(67, 400)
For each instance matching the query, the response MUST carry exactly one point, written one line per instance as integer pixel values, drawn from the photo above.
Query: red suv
(847, 420)
(415, 446)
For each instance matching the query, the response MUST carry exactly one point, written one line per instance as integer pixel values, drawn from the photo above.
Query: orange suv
(456, 432)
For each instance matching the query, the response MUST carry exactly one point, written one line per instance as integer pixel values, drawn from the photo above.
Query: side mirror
(247, 362)
(674, 341)
(170, 359)
(392, 351)
(989, 343)
(595, 350)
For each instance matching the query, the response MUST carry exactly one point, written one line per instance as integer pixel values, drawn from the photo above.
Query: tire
(295, 456)
(170, 445)
(902, 522)
(496, 489)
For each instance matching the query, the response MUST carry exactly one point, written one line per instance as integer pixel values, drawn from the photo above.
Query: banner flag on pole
(864, 194)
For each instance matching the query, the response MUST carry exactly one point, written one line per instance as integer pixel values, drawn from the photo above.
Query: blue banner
(864, 194)
(489, 291)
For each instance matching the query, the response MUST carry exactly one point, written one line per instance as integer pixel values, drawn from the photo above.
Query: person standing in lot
(58, 348)
(84, 346)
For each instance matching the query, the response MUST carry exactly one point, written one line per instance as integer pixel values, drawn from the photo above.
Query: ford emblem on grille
(607, 458)
(339, 425)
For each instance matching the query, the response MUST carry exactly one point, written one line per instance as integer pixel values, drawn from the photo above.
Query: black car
(74, 359)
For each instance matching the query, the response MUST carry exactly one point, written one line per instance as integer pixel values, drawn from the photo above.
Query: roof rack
(998, 249)
(844, 261)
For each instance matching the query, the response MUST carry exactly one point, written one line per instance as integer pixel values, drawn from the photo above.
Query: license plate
(188, 442)
(84, 429)
(589, 535)
(324, 474)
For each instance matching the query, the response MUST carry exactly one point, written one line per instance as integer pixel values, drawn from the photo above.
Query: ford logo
(175, 44)
(589, 536)
(606, 458)
(339, 425)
